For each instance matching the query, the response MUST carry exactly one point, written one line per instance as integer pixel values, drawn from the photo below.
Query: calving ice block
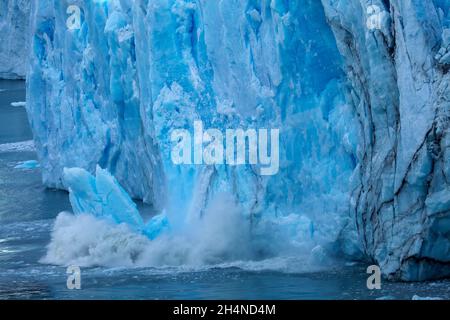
(103, 197)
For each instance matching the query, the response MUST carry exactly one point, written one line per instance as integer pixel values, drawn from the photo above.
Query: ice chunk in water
(103, 197)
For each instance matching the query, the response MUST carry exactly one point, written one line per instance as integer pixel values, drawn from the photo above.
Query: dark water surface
(27, 213)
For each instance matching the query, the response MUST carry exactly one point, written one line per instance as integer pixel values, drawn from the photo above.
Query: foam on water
(223, 238)
(22, 146)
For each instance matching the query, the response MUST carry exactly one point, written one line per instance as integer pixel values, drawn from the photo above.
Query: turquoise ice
(363, 115)
(103, 197)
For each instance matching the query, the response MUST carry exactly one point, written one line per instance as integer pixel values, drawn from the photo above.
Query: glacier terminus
(358, 92)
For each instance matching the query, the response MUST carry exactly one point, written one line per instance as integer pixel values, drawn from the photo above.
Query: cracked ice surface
(401, 93)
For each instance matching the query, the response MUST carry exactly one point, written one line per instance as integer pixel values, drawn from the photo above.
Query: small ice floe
(30, 164)
(386, 298)
(416, 297)
(19, 104)
(22, 146)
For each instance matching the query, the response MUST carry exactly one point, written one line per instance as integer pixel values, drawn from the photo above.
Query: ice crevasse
(363, 117)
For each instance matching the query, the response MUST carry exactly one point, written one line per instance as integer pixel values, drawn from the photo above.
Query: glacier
(106, 229)
(400, 81)
(14, 38)
(28, 165)
(363, 117)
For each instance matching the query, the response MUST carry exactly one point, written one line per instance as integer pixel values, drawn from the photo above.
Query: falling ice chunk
(103, 197)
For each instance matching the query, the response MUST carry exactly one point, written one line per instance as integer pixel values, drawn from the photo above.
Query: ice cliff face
(14, 38)
(399, 73)
(111, 92)
(364, 155)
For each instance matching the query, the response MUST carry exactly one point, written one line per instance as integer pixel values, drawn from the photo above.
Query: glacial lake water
(28, 211)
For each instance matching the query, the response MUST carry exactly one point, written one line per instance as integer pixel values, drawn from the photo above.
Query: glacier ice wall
(400, 77)
(14, 38)
(363, 113)
(110, 92)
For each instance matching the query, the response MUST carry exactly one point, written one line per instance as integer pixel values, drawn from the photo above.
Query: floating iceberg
(18, 104)
(30, 164)
(400, 91)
